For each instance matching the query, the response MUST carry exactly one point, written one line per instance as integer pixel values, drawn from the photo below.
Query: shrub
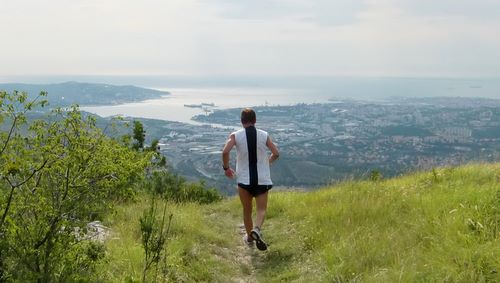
(154, 234)
(56, 175)
(174, 187)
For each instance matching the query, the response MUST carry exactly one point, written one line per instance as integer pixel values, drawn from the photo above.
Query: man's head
(248, 116)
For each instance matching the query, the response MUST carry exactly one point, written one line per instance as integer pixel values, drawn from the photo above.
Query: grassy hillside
(439, 226)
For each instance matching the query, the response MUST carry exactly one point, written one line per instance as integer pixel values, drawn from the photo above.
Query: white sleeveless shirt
(242, 158)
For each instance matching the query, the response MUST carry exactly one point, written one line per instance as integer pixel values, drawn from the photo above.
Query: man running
(252, 172)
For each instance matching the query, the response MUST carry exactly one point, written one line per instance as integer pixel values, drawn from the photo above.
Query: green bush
(56, 175)
(174, 187)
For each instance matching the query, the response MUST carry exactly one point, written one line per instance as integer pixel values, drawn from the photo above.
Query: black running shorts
(255, 190)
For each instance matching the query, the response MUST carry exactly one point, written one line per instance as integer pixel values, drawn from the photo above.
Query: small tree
(158, 159)
(154, 238)
(139, 136)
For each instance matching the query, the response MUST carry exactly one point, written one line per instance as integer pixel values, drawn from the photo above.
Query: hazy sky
(254, 37)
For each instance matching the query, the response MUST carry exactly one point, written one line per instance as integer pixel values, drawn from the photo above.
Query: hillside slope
(68, 93)
(440, 226)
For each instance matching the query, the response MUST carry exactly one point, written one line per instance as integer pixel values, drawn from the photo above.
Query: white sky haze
(424, 38)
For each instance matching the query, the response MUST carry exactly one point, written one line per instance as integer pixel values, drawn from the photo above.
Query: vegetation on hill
(56, 175)
(61, 172)
(439, 226)
(69, 93)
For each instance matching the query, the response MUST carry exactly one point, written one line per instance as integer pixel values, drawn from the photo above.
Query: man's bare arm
(274, 150)
(225, 155)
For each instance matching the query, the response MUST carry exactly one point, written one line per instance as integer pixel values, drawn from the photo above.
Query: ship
(201, 105)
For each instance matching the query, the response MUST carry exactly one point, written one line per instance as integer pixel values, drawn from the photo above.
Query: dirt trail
(245, 257)
(245, 260)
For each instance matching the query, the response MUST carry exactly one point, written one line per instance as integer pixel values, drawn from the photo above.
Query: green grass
(440, 226)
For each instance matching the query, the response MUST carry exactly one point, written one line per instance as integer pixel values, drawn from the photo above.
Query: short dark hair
(248, 116)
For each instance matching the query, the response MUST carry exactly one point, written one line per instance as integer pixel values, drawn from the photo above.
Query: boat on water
(201, 105)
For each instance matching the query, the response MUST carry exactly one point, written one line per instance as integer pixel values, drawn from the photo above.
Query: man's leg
(261, 204)
(246, 202)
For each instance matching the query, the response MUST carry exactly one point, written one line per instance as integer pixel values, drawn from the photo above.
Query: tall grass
(191, 248)
(439, 226)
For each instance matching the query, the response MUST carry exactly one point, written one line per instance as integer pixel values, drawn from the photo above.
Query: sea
(182, 104)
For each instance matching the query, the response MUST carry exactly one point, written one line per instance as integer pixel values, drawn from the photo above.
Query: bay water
(239, 94)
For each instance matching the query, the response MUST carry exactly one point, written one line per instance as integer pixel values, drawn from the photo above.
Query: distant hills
(68, 93)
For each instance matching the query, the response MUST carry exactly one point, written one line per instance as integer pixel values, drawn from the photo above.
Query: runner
(252, 172)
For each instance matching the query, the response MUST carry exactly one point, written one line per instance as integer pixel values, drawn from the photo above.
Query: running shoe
(257, 236)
